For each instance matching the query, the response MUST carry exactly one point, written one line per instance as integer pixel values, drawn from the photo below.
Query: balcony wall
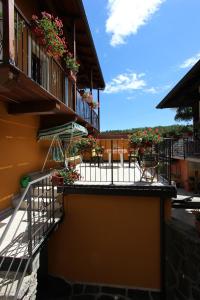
(109, 239)
(20, 152)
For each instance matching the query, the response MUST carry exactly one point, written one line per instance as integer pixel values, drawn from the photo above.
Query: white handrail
(19, 204)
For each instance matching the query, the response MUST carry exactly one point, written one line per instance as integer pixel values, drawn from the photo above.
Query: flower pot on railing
(71, 75)
(93, 105)
(87, 97)
(48, 30)
(57, 180)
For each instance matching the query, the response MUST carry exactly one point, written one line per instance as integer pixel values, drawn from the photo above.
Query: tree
(183, 114)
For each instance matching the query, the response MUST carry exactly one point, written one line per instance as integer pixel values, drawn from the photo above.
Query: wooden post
(98, 99)
(8, 31)
(75, 88)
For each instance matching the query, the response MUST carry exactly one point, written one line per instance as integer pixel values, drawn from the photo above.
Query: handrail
(19, 204)
(32, 241)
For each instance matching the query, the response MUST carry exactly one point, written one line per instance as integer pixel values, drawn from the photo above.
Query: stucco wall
(108, 240)
(20, 153)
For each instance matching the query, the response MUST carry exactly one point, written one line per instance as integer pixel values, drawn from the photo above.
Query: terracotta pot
(57, 180)
(71, 75)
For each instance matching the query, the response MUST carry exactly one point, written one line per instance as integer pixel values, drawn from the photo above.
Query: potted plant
(72, 66)
(85, 144)
(66, 176)
(49, 32)
(87, 97)
(94, 105)
(57, 179)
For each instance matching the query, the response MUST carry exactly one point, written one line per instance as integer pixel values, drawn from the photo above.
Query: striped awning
(64, 132)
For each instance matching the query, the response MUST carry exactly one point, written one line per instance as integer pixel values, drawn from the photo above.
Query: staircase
(23, 230)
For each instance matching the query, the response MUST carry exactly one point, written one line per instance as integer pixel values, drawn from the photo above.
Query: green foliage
(183, 114)
(85, 144)
(163, 130)
(145, 138)
(70, 175)
(71, 63)
(50, 34)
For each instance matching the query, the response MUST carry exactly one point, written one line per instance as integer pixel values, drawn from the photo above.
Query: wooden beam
(37, 108)
(47, 121)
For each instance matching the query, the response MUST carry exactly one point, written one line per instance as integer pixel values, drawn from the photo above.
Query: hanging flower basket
(72, 65)
(49, 32)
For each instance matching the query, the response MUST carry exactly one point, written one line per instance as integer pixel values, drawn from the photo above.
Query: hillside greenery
(163, 130)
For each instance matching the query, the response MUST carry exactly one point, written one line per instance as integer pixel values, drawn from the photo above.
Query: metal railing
(185, 147)
(33, 218)
(31, 58)
(86, 112)
(113, 161)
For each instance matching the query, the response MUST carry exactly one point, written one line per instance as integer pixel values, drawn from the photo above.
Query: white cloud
(190, 62)
(158, 89)
(152, 90)
(129, 82)
(126, 82)
(125, 17)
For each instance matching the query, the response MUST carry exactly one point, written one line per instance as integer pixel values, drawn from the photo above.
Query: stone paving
(58, 289)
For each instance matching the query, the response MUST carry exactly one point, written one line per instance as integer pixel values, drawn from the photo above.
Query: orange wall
(20, 153)
(181, 168)
(108, 240)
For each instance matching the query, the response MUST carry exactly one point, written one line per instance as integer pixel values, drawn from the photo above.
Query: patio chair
(149, 167)
(97, 157)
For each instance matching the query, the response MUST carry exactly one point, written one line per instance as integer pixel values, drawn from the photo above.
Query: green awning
(64, 132)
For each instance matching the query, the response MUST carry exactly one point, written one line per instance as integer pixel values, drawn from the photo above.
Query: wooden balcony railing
(86, 112)
(31, 58)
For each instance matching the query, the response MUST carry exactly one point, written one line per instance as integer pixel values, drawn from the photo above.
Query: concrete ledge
(135, 190)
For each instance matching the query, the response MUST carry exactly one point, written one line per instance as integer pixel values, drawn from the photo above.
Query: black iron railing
(185, 147)
(86, 112)
(113, 161)
(35, 215)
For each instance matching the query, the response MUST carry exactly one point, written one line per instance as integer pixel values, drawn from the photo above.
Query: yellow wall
(108, 240)
(20, 153)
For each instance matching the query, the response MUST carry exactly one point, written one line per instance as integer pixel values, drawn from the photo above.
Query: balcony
(186, 148)
(33, 82)
(85, 112)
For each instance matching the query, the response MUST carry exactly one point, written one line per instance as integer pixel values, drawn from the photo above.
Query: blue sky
(144, 48)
